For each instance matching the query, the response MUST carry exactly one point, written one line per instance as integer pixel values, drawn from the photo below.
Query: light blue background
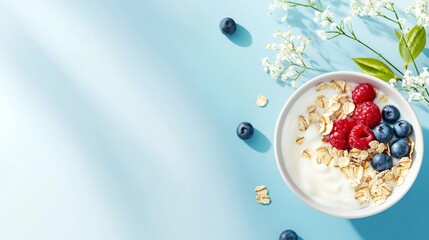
(117, 121)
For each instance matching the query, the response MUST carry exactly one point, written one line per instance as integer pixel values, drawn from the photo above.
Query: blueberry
(400, 148)
(390, 114)
(381, 162)
(403, 129)
(288, 235)
(228, 26)
(245, 130)
(383, 132)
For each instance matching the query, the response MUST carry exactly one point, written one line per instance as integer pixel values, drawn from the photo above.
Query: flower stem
(405, 41)
(427, 92)
(317, 70)
(373, 50)
(388, 18)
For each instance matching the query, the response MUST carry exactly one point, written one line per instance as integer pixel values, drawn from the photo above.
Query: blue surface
(118, 122)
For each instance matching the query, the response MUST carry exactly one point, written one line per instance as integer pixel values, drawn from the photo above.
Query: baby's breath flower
(420, 11)
(347, 20)
(415, 86)
(324, 18)
(322, 34)
(289, 57)
(369, 7)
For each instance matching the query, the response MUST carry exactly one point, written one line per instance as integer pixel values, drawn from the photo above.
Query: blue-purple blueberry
(228, 26)
(400, 148)
(288, 235)
(245, 130)
(403, 129)
(381, 162)
(383, 132)
(390, 114)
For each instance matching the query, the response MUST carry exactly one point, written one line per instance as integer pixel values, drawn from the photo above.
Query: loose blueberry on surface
(400, 148)
(288, 235)
(245, 130)
(381, 162)
(228, 26)
(390, 114)
(403, 129)
(383, 132)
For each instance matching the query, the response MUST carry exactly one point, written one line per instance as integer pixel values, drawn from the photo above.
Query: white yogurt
(325, 185)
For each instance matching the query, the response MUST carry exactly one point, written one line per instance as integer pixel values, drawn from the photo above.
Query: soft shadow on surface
(259, 142)
(379, 28)
(426, 52)
(241, 37)
(422, 106)
(405, 220)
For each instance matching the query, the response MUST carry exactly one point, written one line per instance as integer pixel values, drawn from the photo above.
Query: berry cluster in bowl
(368, 123)
(371, 147)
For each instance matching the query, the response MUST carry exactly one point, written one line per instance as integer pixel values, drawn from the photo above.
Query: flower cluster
(414, 85)
(369, 7)
(326, 18)
(289, 63)
(420, 11)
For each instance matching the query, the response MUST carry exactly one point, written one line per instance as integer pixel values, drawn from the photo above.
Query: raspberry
(339, 136)
(364, 92)
(368, 114)
(360, 136)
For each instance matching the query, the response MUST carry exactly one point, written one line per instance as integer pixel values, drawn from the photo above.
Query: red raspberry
(360, 136)
(364, 92)
(339, 136)
(368, 114)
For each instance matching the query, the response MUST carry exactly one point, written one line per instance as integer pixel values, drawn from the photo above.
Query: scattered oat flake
(411, 144)
(322, 86)
(299, 140)
(306, 154)
(263, 199)
(339, 85)
(383, 98)
(261, 189)
(311, 109)
(261, 101)
(262, 195)
(321, 101)
(343, 161)
(302, 123)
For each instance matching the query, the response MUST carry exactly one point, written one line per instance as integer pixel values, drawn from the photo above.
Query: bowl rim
(345, 213)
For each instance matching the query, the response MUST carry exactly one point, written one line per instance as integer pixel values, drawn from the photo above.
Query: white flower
(289, 54)
(334, 26)
(347, 20)
(322, 34)
(420, 11)
(323, 18)
(278, 5)
(369, 7)
(415, 85)
(416, 97)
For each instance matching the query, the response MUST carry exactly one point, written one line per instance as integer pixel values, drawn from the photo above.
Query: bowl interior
(282, 155)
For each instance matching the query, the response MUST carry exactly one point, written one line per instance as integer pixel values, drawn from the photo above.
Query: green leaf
(374, 68)
(415, 39)
(398, 34)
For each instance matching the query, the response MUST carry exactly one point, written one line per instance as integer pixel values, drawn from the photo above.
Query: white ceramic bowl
(406, 111)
